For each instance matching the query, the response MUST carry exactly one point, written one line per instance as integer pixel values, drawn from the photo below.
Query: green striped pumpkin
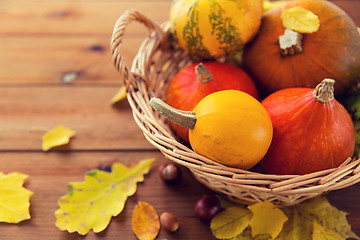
(214, 28)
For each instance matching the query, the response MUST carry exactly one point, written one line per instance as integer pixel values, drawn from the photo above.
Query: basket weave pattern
(157, 61)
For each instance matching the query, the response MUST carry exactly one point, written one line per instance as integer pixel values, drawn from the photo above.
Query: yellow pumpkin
(230, 127)
(214, 28)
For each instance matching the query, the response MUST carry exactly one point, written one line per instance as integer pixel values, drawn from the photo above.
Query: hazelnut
(169, 222)
(170, 173)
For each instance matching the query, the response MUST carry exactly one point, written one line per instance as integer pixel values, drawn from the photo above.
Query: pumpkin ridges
(306, 132)
(214, 28)
(223, 30)
(192, 35)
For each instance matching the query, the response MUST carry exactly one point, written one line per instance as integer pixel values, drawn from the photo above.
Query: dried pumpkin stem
(324, 92)
(186, 119)
(203, 74)
(290, 43)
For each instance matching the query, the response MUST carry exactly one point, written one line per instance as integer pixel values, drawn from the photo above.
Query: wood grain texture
(40, 41)
(48, 59)
(28, 112)
(56, 69)
(67, 17)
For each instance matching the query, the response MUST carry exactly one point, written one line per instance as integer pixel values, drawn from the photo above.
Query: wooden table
(56, 69)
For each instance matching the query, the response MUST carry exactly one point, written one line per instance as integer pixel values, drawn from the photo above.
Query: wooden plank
(73, 17)
(28, 112)
(49, 175)
(46, 59)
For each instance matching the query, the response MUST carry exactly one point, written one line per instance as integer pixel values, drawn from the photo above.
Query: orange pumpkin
(230, 127)
(333, 51)
(196, 81)
(312, 130)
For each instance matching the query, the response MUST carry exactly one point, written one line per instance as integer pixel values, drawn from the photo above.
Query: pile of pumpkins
(277, 108)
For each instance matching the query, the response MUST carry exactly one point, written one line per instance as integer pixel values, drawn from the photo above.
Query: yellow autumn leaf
(321, 233)
(119, 96)
(145, 221)
(246, 235)
(300, 20)
(302, 220)
(267, 219)
(14, 198)
(320, 210)
(91, 204)
(230, 222)
(268, 5)
(56, 137)
(295, 227)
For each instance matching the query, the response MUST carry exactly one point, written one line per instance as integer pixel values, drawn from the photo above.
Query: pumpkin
(230, 127)
(195, 81)
(312, 130)
(214, 28)
(333, 51)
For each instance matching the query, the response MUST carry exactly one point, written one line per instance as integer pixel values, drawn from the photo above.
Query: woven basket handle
(118, 35)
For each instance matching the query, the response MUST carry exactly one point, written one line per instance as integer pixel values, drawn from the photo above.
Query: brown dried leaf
(145, 221)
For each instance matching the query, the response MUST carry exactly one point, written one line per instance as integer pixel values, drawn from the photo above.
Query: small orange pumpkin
(312, 130)
(197, 80)
(230, 127)
(333, 51)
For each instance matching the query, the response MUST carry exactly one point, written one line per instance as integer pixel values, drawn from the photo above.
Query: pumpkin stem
(203, 74)
(324, 92)
(186, 119)
(290, 43)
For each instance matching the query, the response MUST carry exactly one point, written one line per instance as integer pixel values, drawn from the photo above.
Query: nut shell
(169, 222)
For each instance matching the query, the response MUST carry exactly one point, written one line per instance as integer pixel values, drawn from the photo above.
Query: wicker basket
(157, 61)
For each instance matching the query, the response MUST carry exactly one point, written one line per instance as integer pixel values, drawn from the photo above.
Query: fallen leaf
(56, 137)
(14, 198)
(145, 221)
(321, 233)
(119, 96)
(320, 210)
(230, 222)
(268, 5)
(267, 219)
(91, 204)
(246, 235)
(295, 227)
(300, 20)
(312, 219)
